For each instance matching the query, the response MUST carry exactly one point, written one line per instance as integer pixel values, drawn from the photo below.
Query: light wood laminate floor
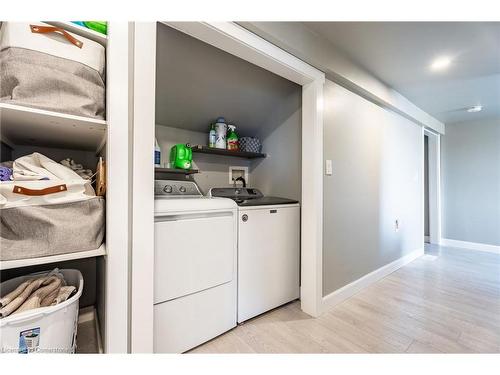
(447, 301)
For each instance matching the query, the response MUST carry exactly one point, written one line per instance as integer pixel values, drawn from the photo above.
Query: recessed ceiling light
(476, 108)
(441, 63)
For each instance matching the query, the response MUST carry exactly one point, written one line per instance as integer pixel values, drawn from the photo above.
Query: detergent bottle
(232, 138)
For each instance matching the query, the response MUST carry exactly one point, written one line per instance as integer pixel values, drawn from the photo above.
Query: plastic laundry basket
(49, 329)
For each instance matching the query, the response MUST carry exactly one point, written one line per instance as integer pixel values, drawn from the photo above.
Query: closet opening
(432, 187)
(240, 126)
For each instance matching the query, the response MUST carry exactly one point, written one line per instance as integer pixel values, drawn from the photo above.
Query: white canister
(220, 134)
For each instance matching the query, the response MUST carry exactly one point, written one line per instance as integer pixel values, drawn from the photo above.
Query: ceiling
(400, 54)
(196, 83)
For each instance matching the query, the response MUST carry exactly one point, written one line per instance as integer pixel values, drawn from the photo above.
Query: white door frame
(434, 186)
(240, 42)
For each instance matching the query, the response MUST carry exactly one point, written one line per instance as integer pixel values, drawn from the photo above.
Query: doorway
(432, 187)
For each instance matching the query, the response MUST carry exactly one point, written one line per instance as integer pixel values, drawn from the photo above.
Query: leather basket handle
(39, 192)
(53, 29)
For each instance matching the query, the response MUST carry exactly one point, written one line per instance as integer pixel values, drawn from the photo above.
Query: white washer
(195, 266)
(268, 250)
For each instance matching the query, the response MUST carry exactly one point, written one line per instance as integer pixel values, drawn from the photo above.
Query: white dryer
(195, 276)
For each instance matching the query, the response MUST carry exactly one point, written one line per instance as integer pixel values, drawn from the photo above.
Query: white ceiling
(400, 54)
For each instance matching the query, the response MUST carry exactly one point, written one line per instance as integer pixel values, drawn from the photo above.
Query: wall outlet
(397, 225)
(328, 167)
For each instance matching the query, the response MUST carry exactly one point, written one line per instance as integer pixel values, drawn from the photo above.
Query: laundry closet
(196, 83)
(234, 205)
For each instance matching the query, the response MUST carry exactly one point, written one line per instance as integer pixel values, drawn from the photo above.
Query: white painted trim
(142, 288)
(232, 38)
(434, 186)
(351, 289)
(116, 295)
(495, 249)
(311, 289)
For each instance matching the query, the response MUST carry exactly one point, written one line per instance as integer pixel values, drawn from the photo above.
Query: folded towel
(77, 168)
(64, 293)
(31, 293)
(50, 298)
(52, 284)
(4, 301)
(22, 297)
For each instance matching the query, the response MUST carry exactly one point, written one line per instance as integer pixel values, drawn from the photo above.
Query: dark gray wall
(377, 178)
(196, 83)
(5, 152)
(470, 153)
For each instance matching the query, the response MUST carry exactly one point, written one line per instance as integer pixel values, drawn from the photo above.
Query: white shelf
(80, 30)
(8, 264)
(31, 126)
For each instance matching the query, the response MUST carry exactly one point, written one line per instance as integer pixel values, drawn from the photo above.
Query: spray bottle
(232, 139)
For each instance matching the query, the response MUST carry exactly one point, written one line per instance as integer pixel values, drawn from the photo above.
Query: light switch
(328, 167)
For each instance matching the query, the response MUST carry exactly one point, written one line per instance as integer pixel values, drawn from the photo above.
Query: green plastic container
(181, 156)
(99, 26)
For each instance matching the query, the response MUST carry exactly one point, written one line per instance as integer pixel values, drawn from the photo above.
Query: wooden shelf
(31, 126)
(223, 152)
(176, 170)
(8, 264)
(80, 30)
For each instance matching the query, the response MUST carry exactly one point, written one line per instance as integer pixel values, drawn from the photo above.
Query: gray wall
(377, 178)
(470, 153)
(214, 170)
(280, 173)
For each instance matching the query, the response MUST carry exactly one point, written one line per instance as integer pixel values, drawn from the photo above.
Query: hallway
(447, 301)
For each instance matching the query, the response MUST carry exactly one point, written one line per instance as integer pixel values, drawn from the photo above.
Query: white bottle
(157, 154)
(220, 132)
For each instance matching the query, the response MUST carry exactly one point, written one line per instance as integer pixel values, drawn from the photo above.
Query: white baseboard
(351, 289)
(470, 245)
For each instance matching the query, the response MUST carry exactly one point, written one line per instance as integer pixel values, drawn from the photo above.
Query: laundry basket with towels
(46, 67)
(45, 316)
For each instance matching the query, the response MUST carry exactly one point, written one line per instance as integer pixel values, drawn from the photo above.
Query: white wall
(470, 153)
(377, 178)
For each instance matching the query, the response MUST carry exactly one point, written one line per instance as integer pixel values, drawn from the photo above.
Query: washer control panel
(173, 188)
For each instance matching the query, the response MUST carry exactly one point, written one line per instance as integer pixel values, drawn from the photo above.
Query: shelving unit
(8, 264)
(223, 152)
(80, 30)
(25, 125)
(175, 170)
